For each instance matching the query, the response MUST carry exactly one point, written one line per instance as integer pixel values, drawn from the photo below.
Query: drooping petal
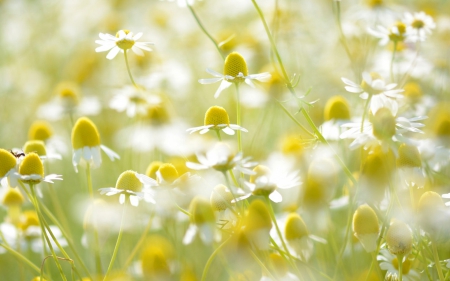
(190, 234)
(137, 51)
(111, 154)
(209, 80)
(225, 84)
(275, 197)
(122, 198)
(134, 200)
(113, 53)
(228, 131)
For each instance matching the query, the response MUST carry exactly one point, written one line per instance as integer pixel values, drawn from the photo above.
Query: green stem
(204, 30)
(139, 243)
(22, 258)
(218, 135)
(98, 261)
(392, 61)
(41, 224)
(400, 267)
(128, 68)
(238, 113)
(295, 120)
(436, 260)
(264, 268)
(211, 258)
(119, 238)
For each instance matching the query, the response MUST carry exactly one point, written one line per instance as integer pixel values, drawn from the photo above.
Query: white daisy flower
(129, 185)
(234, 71)
(216, 118)
(265, 183)
(397, 33)
(383, 129)
(132, 100)
(203, 222)
(389, 263)
(86, 144)
(374, 88)
(419, 25)
(31, 171)
(123, 41)
(222, 159)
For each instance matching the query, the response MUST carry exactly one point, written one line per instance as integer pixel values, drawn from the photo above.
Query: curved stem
(436, 260)
(295, 120)
(211, 258)
(262, 265)
(119, 238)
(204, 30)
(218, 135)
(128, 68)
(238, 117)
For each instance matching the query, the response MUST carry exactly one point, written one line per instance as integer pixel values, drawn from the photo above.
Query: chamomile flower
(336, 113)
(383, 129)
(374, 88)
(396, 33)
(31, 171)
(221, 202)
(129, 185)
(234, 71)
(132, 100)
(203, 222)
(216, 118)
(265, 183)
(8, 165)
(123, 41)
(419, 25)
(389, 263)
(86, 144)
(222, 159)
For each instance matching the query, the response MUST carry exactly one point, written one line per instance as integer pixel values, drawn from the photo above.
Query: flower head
(8, 163)
(396, 33)
(202, 221)
(40, 130)
(297, 236)
(258, 224)
(122, 42)
(366, 227)
(86, 144)
(399, 238)
(419, 25)
(216, 118)
(234, 71)
(390, 263)
(31, 171)
(337, 108)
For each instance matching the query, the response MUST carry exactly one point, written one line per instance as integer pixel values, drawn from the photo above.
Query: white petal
(87, 153)
(276, 197)
(146, 180)
(190, 234)
(137, 36)
(113, 53)
(196, 166)
(250, 83)
(111, 154)
(144, 46)
(76, 158)
(134, 200)
(109, 191)
(214, 73)
(209, 80)
(104, 48)
(137, 51)
(228, 131)
(204, 131)
(225, 84)
(122, 198)
(96, 157)
(206, 233)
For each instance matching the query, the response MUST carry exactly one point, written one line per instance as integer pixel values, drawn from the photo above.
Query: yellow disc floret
(383, 124)
(168, 172)
(201, 211)
(40, 130)
(337, 108)
(12, 197)
(85, 133)
(399, 238)
(295, 227)
(36, 146)
(365, 220)
(408, 156)
(28, 218)
(216, 115)
(155, 258)
(406, 265)
(7, 162)
(128, 181)
(368, 88)
(124, 43)
(258, 217)
(32, 165)
(152, 169)
(235, 64)
(413, 91)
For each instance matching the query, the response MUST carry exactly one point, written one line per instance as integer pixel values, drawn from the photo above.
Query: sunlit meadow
(225, 140)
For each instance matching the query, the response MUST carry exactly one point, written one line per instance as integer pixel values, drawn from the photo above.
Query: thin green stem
(204, 30)
(218, 135)
(98, 261)
(436, 260)
(392, 61)
(128, 68)
(238, 116)
(119, 238)
(211, 258)
(295, 120)
(263, 266)
(400, 267)
(140, 242)
(183, 210)
(22, 258)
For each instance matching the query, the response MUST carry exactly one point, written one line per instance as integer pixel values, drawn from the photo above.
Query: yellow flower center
(383, 124)
(443, 127)
(13, 197)
(31, 165)
(7, 162)
(68, 92)
(258, 216)
(406, 266)
(168, 172)
(368, 88)
(374, 3)
(216, 115)
(220, 198)
(291, 145)
(295, 227)
(418, 24)
(337, 108)
(262, 171)
(36, 146)
(128, 181)
(413, 91)
(85, 133)
(38, 278)
(152, 169)
(400, 35)
(365, 221)
(158, 114)
(201, 211)
(279, 265)
(124, 43)
(29, 218)
(40, 130)
(155, 257)
(399, 238)
(235, 64)
(408, 156)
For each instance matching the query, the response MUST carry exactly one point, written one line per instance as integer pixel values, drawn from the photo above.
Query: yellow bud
(430, 213)
(258, 217)
(216, 115)
(168, 172)
(201, 211)
(399, 238)
(442, 127)
(36, 146)
(235, 64)
(69, 93)
(383, 124)
(28, 218)
(413, 91)
(40, 130)
(152, 169)
(365, 221)
(337, 108)
(291, 144)
(7, 162)
(220, 198)
(31, 165)
(408, 156)
(128, 181)
(85, 133)
(12, 197)
(295, 227)
(379, 166)
(374, 3)
(279, 265)
(430, 200)
(156, 256)
(38, 278)
(320, 182)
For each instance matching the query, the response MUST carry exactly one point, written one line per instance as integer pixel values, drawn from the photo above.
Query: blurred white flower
(123, 41)
(419, 25)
